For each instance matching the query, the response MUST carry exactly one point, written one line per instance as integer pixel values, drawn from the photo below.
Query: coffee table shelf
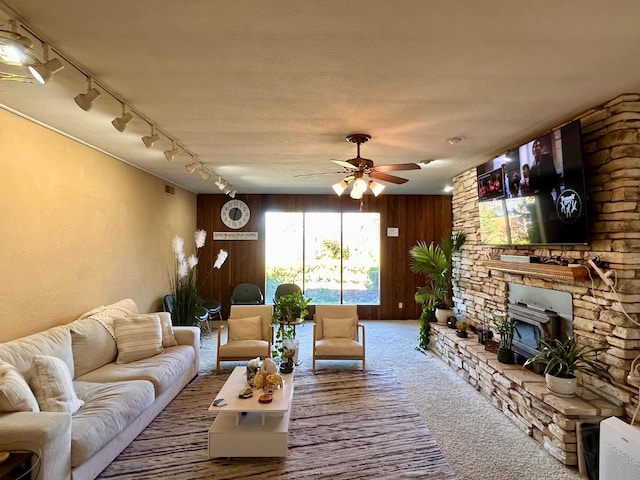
(248, 428)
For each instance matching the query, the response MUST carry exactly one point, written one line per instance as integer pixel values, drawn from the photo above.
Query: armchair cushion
(15, 394)
(338, 328)
(249, 328)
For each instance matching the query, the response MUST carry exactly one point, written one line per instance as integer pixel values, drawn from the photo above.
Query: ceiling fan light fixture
(85, 100)
(121, 122)
(340, 187)
(356, 194)
(360, 185)
(376, 188)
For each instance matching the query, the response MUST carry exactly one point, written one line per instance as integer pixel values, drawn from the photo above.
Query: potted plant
(562, 359)
(461, 328)
(435, 261)
(505, 327)
(288, 310)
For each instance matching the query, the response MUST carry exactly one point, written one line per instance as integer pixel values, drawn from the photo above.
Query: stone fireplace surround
(611, 149)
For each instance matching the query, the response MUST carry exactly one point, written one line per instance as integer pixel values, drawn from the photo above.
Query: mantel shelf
(543, 270)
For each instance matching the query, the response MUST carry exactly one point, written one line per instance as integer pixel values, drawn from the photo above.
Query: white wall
(78, 229)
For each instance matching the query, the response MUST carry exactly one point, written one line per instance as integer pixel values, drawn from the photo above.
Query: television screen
(538, 195)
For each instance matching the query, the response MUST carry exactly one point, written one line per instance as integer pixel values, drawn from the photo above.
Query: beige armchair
(249, 334)
(337, 334)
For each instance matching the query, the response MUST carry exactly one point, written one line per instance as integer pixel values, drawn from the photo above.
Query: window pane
(284, 245)
(322, 259)
(361, 258)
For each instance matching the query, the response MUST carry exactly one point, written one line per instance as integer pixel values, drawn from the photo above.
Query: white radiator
(619, 450)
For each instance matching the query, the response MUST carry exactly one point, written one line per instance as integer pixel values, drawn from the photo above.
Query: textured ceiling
(266, 92)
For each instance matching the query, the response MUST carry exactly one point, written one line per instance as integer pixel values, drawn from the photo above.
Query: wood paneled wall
(418, 217)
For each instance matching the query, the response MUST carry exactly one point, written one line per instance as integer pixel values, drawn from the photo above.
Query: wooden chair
(338, 334)
(249, 334)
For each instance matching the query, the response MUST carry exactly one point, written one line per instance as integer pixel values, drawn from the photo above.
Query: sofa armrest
(187, 336)
(46, 434)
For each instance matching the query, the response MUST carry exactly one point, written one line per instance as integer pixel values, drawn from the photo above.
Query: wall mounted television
(535, 194)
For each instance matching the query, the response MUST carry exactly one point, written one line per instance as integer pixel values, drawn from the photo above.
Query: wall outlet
(399, 304)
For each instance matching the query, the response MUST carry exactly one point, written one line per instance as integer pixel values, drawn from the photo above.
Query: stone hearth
(522, 395)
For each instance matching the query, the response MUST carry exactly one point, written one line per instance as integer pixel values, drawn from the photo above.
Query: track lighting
(15, 49)
(191, 167)
(85, 100)
(171, 154)
(220, 183)
(121, 122)
(232, 193)
(149, 140)
(204, 173)
(43, 72)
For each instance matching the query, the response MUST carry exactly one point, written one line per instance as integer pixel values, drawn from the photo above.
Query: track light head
(85, 100)
(204, 173)
(43, 72)
(149, 140)
(232, 193)
(121, 122)
(172, 152)
(15, 49)
(191, 167)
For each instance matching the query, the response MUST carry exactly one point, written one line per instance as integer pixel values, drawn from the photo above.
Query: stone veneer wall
(611, 148)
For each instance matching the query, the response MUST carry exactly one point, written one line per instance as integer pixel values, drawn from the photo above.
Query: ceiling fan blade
(398, 166)
(345, 164)
(388, 178)
(318, 173)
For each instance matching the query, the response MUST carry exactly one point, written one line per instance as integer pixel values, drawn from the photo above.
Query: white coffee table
(246, 427)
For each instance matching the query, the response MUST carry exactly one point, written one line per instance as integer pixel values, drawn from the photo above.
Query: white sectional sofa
(118, 400)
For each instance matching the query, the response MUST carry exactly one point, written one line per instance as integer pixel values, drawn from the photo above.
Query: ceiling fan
(358, 168)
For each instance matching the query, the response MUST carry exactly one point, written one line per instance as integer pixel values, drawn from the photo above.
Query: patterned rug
(344, 425)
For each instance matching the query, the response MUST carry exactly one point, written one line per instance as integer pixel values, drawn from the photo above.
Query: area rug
(344, 425)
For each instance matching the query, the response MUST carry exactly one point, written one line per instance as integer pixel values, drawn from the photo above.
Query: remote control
(219, 402)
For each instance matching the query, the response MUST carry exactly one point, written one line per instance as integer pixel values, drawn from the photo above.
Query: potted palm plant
(435, 261)
(505, 327)
(562, 359)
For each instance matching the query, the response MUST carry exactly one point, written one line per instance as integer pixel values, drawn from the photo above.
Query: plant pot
(442, 315)
(563, 387)
(292, 344)
(461, 334)
(505, 355)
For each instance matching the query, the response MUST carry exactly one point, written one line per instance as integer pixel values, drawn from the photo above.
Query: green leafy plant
(287, 308)
(505, 327)
(563, 359)
(435, 262)
(424, 336)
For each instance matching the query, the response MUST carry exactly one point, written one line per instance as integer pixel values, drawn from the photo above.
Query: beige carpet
(344, 425)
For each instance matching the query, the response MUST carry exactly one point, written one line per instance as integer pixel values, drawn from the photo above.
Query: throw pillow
(52, 385)
(137, 338)
(15, 394)
(168, 337)
(245, 328)
(337, 327)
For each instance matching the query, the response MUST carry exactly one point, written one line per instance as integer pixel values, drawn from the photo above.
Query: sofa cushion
(162, 370)
(92, 345)
(108, 409)
(137, 338)
(52, 385)
(55, 342)
(249, 328)
(168, 337)
(106, 314)
(15, 394)
(338, 327)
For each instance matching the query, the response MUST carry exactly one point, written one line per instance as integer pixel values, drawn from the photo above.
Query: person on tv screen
(542, 176)
(525, 186)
